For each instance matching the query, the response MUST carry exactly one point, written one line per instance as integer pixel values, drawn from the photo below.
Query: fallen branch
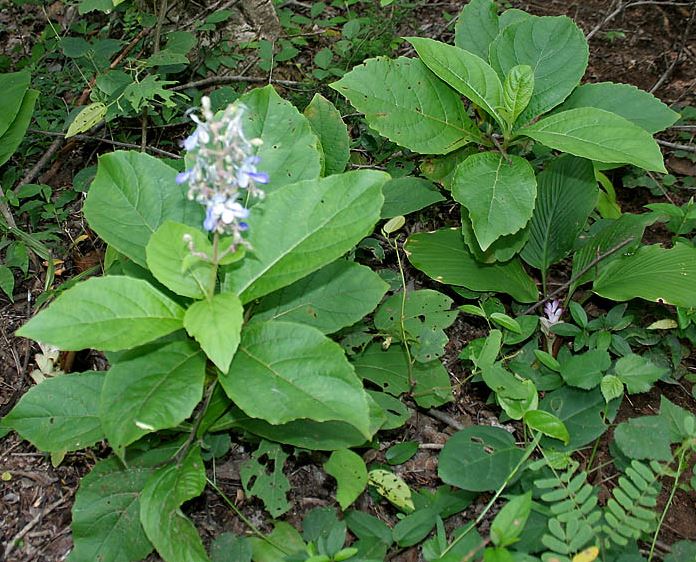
(29, 526)
(229, 79)
(677, 146)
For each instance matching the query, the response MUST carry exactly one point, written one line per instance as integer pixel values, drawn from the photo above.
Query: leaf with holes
(263, 477)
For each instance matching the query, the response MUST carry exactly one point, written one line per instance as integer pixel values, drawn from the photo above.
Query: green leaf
(393, 488)
(476, 27)
(506, 322)
(60, 414)
(407, 195)
(151, 388)
(405, 102)
(292, 371)
(413, 528)
(466, 72)
(638, 106)
(348, 468)
(216, 324)
(567, 195)
(283, 535)
(331, 216)
(611, 387)
(14, 86)
(170, 259)
(498, 192)
(336, 296)
(598, 135)
(262, 476)
(645, 437)
(548, 424)
(502, 250)
(584, 413)
(290, 151)
(170, 531)
(144, 94)
(678, 419)
(13, 136)
(228, 547)
(653, 273)
(554, 47)
(88, 117)
(131, 196)
(401, 452)
(327, 124)
(478, 458)
(517, 91)
(509, 523)
(106, 513)
(585, 370)
(638, 373)
(443, 255)
(7, 281)
(106, 313)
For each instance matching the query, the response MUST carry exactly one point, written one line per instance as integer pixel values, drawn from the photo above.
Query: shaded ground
(644, 45)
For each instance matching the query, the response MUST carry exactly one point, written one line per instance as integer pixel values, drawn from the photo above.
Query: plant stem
(213, 272)
(181, 453)
(411, 382)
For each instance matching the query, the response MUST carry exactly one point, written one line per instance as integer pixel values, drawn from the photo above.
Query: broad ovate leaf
(443, 256)
(548, 424)
(652, 273)
(567, 194)
(405, 102)
(290, 151)
(517, 92)
(13, 136)
(408, 194)
(285, 371)
(215, 323)
(107, 313)
(498, 192)
(638, 373)
(554, 47)
(639, 107)
(328, 125)
(477, 27)
(131, 196)
(60, 414)
(329, 216)
(332, 298)
(170, 531)
(151, 388)
(599, 135)
(467, 73)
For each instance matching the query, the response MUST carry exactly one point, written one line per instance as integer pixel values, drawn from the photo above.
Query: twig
(111, 142)
(607, 19)
(29, 526)
(685, 35)
(582, 272)
(41, 164)
(215, 80)
(623, 7)
(677, 146)
(445, 418)
(5, 211)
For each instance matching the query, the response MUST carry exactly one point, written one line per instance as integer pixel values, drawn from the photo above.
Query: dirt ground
(645, 45)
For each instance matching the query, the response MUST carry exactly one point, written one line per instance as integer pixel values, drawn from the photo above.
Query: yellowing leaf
(393, 488)
(86, 119)
(587, 555)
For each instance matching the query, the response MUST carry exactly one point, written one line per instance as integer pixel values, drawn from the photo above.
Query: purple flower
(182, 177)
(553, 311)
(247, 171)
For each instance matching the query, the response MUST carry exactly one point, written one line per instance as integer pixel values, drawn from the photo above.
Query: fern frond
(630, 512)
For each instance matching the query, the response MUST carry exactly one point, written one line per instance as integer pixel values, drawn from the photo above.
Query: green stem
(213, 272)
(411, 381)
(181, 453)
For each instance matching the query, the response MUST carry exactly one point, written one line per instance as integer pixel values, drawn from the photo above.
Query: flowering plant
(202, 319)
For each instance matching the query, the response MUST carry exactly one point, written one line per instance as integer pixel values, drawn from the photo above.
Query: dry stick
(582, 272)
(680, 51)
(445, 418)
(677, 146)
(41, 164)
(111, 142)
(215, 80)
(5, 211)
(29, 526)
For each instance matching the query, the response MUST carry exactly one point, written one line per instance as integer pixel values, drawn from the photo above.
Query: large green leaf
(170, 531)
(598, 135)
(466, 72)
(554, 47)
(476, 27)
(499, 193)
(15, 133)
(305, 226)
(285, 371)
(327, 124)
(106, 513)
(14, 86)
(408, 194)
(290, 151)
(131, 196)
(60, 414)
(169, 258)
(332, 298)
(638, 106)
(653, 273)
(408, 104)
(106, 313)
(502, 250)
(216, 324)
(152, 388)
(443, 255)
(567, 195)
